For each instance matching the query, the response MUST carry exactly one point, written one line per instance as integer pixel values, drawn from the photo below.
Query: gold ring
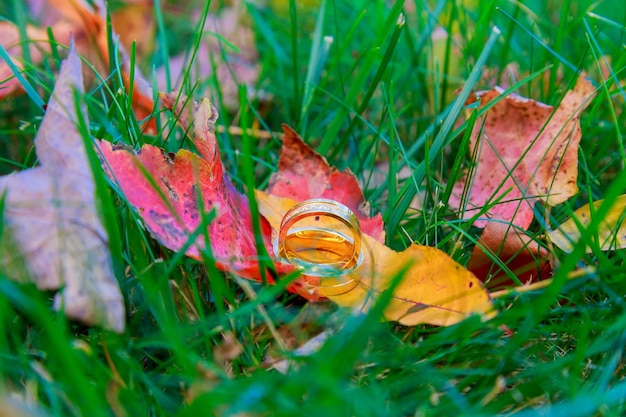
(322, 238)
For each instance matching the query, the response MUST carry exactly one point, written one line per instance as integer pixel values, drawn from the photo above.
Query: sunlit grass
(368, 102)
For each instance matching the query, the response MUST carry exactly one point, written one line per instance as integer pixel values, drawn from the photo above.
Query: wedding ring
(322, 238)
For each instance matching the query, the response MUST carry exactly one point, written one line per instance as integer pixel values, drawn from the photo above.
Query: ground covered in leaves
(149, 151)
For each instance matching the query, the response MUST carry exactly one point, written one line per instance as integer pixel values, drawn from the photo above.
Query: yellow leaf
(611, 232)
(433, 288)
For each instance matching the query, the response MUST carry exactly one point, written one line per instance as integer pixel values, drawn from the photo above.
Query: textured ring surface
(321, 237)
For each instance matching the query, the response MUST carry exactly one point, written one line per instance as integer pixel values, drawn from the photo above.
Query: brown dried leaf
(51, 217)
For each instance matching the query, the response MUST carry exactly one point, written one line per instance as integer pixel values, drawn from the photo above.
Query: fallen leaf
(37, 44)
(50, 12)
(171, 212)
(611, 233)
(433, 288)
(89, 29)
(520, 254)
(308, 348)
(226, 352)
(93, 23)
(50, 215)
(304, 174)
(526, 151)
(216, 58)
(134, 21)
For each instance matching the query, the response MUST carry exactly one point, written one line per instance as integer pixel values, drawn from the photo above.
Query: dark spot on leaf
(190, 203)
(168, 156)
(122, 146)
(169, 229)
(416, 308)
(173, 194)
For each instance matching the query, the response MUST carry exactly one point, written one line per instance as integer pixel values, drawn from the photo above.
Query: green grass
(367, 100)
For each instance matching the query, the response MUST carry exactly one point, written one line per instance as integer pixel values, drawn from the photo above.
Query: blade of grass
(319, 52)
(265, 264)
(161, 34)
(393, 24)
(409, 190)
(295, 61)
(32, 94)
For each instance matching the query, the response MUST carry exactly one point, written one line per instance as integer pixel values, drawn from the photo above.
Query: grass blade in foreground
(409, 190)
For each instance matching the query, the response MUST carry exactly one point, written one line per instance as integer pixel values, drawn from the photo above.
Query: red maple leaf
(169, 190)
(304, 174)
(526, 151)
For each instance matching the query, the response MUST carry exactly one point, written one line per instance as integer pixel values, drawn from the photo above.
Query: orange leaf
(93, 23)
(38, 44)
(134, 21)
(520, 254)
(304, 174)
(88, 26)
(527, 152)
(433, 288)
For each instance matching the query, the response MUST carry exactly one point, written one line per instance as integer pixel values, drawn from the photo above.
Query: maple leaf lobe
(304, 174)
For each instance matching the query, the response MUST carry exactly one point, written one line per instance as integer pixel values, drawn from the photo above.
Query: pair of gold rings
(322, 238)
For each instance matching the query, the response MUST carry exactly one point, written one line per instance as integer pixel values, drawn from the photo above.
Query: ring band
(321, 237)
